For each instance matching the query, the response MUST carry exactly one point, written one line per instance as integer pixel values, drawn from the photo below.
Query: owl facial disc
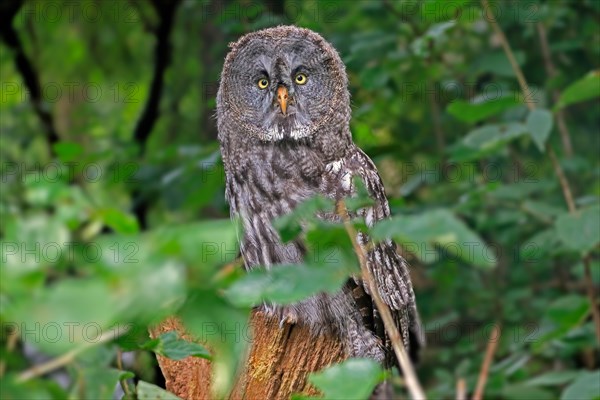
(284, 84)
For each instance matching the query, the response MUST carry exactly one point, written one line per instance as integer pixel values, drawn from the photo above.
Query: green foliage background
(109, 226)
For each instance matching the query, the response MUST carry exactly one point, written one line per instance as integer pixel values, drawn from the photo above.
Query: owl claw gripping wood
(283, 111)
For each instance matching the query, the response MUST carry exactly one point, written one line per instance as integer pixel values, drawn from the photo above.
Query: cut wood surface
(278, 365)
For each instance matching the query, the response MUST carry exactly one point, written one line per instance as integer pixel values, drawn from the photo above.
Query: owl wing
(389, 269)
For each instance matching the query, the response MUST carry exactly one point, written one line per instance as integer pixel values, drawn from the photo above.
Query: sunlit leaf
(353, 379)
(285, 284)
(120, 221)
(68, 151)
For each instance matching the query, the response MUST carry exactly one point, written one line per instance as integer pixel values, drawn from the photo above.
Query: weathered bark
(278, 365)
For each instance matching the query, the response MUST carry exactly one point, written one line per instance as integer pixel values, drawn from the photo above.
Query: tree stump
(278, 364)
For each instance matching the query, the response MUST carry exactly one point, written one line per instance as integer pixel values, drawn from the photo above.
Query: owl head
(281, 84)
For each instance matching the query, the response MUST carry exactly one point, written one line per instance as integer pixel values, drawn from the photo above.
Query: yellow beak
(282, 98)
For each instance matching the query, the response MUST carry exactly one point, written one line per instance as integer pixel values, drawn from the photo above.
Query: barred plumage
(286, 142)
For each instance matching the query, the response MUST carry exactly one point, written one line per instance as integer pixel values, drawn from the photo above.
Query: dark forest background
(112, 200)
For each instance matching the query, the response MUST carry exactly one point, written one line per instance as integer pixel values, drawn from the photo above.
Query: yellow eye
(263, 83)
(301, 78)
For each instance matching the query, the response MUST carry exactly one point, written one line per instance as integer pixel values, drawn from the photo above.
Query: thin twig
(562, 178)
(123, 381)
(461, 389)
(509, 54)
(412, 382)
(437, 125)
(487, 362)
(565, 135)
(42, 369)
(11, 342)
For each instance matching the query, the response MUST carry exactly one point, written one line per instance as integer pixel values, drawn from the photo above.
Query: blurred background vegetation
(112, 201)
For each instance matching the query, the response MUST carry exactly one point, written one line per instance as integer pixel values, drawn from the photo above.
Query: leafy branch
(564, 182)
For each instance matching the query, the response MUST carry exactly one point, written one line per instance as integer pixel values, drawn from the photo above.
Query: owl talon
(288, 317)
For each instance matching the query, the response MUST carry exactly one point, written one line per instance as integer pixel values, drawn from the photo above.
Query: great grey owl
(283, 110)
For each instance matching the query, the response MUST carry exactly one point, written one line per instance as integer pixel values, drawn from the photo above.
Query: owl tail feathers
(416, 335)
(383, 391)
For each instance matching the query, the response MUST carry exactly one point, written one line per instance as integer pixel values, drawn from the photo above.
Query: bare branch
(461, 389)
(61, 361)
(162, 58)
(26, 69)
(487, 362)
(410, 377)
(551, 71)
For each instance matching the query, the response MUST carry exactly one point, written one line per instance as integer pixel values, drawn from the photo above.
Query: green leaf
(361, 198)
(203, 245)
(99, 383)
(374, 77)
(148, 391)
(553, 378)
(541, 244)
(473, 111)
(585, 387)
(286, 284)
(171, 346)
(328, 245)
(568, 311)
(42, 192)
(354, 379)
(440, 227)
(33, 389)
(420, 46)
(436, 30)
(119, 221)
(497, 63)
(585, 88)
(68, 151)
(493, 135)
(580, 231)
(542, 209)
(539, 124)
(523, 190)
(136, 284)
(290, 225)
(520, 392)
(66, 315)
